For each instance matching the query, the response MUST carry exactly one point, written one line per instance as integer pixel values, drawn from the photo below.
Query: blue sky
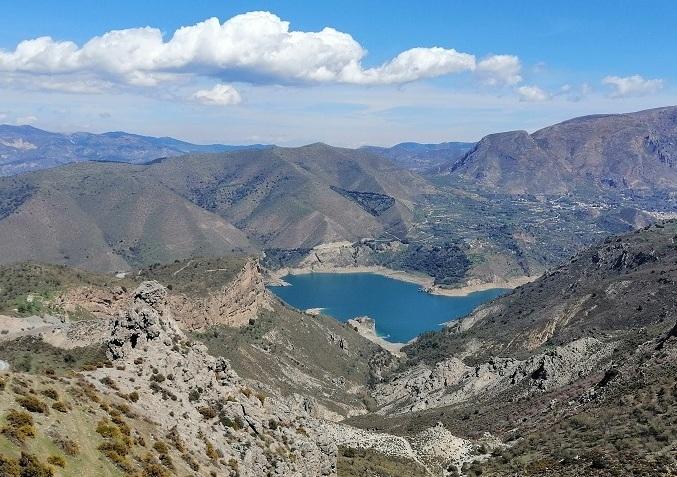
(378, 79)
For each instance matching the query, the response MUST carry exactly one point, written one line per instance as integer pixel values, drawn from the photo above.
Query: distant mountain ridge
(633, 151)
(26, 148)
(420, 157)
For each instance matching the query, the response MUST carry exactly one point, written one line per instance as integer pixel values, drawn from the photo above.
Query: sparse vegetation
(33, 404)
(56, 460)
(207, 412)
(361, 462)
(32, 467)
(69, 446)
(117, 443)
(19, 427)
(50, 393)
(60, 406)
(33, 355)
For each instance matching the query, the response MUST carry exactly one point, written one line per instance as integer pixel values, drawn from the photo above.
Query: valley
(143, 302)
(301, 207)
(338, 239)
(540, 367)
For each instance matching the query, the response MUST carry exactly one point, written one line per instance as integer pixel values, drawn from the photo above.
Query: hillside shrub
(19, 426)
(32, 467)
(33, 404)
(56, 460)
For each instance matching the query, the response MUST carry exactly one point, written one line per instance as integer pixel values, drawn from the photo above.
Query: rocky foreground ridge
(182, 387)
(570, 375)
(216, 422)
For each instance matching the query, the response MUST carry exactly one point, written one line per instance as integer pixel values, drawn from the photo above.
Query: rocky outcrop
(182, 389)
(235, 305)
(601, 151)
(451, 381)
(180, 386)
(147, 320)
(366, 327)
(100, 302)
(238, 302)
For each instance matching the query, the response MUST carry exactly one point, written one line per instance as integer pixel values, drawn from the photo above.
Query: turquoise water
(400, 310)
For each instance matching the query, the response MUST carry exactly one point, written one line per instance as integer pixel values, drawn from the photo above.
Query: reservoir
(401, 311)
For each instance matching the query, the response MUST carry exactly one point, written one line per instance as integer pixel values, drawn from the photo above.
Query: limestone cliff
(235, 305)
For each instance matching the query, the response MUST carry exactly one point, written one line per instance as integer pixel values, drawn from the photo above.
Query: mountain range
(421, 157)
(511, 206)
(634, 151)
(110, 216)
(611, 152)
(25, 148)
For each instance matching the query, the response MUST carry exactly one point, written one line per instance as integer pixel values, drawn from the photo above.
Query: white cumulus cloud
(532, 94)
(255, 47)
(500, 69)
(411, 65)
(219, 95)
(634, 85)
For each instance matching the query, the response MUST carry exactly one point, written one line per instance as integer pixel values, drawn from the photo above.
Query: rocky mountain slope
(25, 148)
(107, 217)
(291, 197)
(542, 367)
(634, 151)
(261, 398)
(199, 417)
(221, 302)
(572, 374)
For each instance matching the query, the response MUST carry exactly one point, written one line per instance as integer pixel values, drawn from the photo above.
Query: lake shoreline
(400, 309)
(425, 281)
(366, 327)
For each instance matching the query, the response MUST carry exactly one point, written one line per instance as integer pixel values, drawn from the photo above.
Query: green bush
(207, 412)
(60, 406)
(33, 404)
(19, 426)
(56, 460)
(51, 393)
(32, 467)
(9, 467)
(69, 446)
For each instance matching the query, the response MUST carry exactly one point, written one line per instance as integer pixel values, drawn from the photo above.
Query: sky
(347, 73)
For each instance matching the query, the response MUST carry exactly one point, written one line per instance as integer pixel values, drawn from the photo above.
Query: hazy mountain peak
(26, 148)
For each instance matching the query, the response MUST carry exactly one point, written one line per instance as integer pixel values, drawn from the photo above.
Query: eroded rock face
(451, 381)
(235, 304)
(145, 321)
(182, 387)
(238, 303)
